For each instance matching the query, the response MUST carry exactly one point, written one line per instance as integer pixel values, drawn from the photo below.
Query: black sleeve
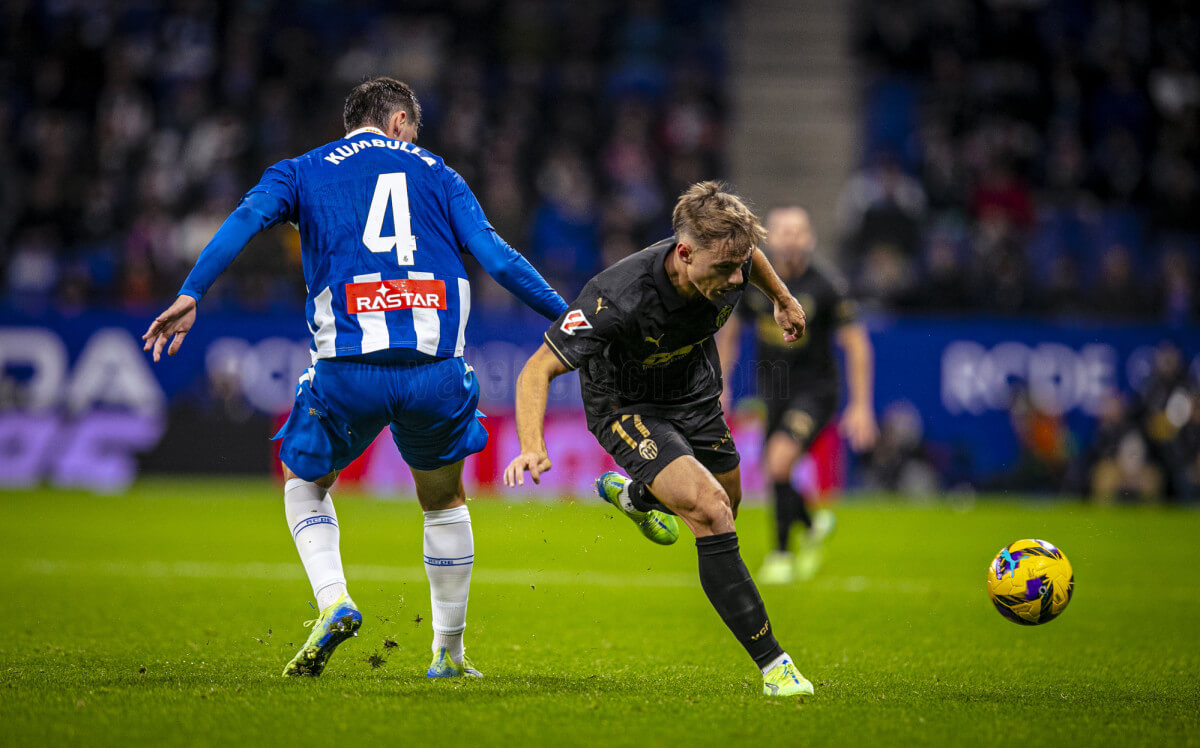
(582, 331)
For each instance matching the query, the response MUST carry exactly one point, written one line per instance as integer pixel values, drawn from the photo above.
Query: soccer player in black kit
(799, 383)
(640, 334)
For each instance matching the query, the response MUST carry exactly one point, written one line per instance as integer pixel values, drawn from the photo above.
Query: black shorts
(644, 445)
(802, 417)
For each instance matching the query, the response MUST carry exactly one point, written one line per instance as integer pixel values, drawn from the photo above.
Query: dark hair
(373, 102)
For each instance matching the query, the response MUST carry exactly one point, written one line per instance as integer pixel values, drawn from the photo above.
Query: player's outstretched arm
(505, 264)
(858, 420)
(788, 313)
(514, 273)
(533, 388)
(265, 205)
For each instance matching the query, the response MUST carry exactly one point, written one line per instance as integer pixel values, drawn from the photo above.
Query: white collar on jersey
(361, 130)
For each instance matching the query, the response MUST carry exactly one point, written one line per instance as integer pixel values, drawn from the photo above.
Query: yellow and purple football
(1030, 582)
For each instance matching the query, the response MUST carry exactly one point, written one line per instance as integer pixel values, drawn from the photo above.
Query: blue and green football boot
(337, 623)
(785, 680)
(444, 667)
(659, 527)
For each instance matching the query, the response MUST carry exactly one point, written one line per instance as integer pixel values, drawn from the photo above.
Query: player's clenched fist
(535, 462)
(790, 317)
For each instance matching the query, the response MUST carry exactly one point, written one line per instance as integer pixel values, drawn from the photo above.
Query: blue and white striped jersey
(381, 222)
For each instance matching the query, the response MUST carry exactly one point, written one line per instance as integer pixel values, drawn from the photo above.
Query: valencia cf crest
(574, 321)
(648, 449)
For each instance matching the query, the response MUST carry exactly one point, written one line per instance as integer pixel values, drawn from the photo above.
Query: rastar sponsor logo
(575, 321)
(389, 295)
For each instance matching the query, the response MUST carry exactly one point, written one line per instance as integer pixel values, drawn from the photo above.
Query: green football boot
(785, 680)
(823, 524)
(812, 550)
(808, 561)
(444, 667)
(659, 527)
(779, 567)
(337, 623)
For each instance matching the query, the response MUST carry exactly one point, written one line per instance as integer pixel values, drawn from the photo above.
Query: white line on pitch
(481, 575)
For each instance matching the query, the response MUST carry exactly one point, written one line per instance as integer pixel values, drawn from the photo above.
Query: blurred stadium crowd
(1146, 445)
(1029, 157)
(131, 128)
(1038, 158)
(1020, 157)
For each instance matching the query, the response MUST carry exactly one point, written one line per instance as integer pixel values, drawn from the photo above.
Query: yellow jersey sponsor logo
(661, 359)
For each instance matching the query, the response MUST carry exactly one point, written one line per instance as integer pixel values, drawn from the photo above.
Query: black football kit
(648, 366)
(651, 383)
(799, 382)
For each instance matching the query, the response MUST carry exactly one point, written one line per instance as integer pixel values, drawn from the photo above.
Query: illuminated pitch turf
(166, 617)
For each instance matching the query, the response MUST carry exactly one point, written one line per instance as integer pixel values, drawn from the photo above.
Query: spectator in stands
(136, 119)
(881, 211)
(1063, 295)
(944, 285)
(1001, 197)
(1044, 444)
(1117, 294)
(1165, 396)
(1174, 296)
(1185, 455)
(565, 237)
(1118, 462)
(899, 461)
(1086, 109)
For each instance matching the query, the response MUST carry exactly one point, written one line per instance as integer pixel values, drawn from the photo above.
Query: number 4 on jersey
(391, 188)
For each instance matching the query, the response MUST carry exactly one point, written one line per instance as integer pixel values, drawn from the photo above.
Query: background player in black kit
(799, 383)
(640, 334)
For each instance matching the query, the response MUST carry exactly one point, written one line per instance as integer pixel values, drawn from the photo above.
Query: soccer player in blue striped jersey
(382, 224)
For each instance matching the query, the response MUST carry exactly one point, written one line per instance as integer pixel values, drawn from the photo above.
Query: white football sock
(625, 501)
(449, 555)
(775, 662)
(310, 517)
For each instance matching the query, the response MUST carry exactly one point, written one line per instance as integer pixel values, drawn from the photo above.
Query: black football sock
(785, 513)
(643, 500)
(731, 591)
(802, 509)
(795, 500)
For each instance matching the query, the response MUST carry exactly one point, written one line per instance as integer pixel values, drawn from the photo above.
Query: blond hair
(714, 218)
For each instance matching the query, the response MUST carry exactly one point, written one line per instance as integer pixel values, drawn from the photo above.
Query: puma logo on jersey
(656, 341)
(574, 321)
(390, 295)
(600, 304)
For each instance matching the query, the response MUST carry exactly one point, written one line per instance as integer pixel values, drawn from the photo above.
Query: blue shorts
(341, 406)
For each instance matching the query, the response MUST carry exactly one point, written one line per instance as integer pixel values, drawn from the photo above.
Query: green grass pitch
(165, 617)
